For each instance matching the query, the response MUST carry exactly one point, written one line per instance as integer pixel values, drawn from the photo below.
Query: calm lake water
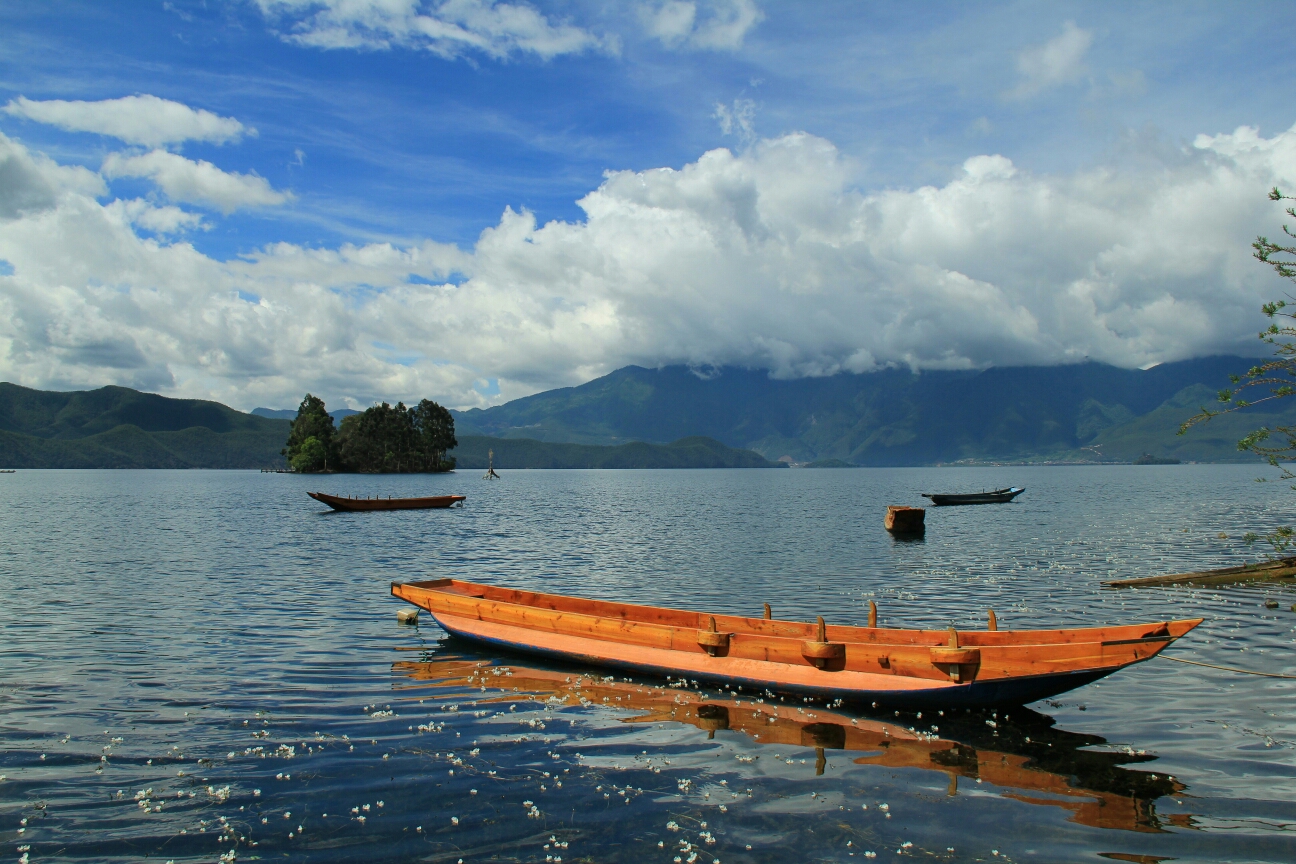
(205, 664)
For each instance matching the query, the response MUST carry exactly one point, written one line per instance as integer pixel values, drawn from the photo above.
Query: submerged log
(1282, 569)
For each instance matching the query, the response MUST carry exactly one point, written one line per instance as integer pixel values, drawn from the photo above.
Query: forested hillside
(116, 427)
(1087, 411)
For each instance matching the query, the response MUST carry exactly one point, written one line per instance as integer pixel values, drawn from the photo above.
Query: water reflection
(1021, 753)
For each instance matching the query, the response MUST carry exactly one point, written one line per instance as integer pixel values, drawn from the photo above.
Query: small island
(378, 440)
(1149, 459)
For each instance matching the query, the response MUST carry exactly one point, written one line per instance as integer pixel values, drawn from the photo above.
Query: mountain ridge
(117, 427)
(1086, 412)
(1082, 412)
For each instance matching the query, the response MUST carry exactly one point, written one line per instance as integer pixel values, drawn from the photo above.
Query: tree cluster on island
(378, 440)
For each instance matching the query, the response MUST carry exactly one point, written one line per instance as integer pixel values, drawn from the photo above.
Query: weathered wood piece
(1281, 569)
(820, 652)
(905, 520)
(713, 643)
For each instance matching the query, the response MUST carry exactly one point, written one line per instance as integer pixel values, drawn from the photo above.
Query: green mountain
(1085, 412)
(694, 452)
(116, 427)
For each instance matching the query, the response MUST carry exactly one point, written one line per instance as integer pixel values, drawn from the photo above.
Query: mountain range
(681, 417)
(116, 427)
(291, 413)
(1083, 412)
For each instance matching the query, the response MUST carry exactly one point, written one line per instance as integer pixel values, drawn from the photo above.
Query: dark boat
(998, 496)
(339, 502)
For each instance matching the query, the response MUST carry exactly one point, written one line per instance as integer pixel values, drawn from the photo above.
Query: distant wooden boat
(860, 664)
(998, 496)
(339, 502)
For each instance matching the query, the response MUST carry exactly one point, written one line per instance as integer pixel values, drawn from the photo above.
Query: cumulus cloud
(768, 258)
(195, 182)
(1058, 61)
(31, 183)
(159, 220)
(720, 25)
(145, 120)
(447, 28)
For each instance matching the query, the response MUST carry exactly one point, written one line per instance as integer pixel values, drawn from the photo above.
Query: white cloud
(448, 28)
(1056, 62)
(145, 120)
(196, 182)
(721, 26)
(769, 258)
(739, 120)
(32, 183)
(159, 220)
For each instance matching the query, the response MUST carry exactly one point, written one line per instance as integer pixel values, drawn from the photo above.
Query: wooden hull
(897, 668)
(999, 496)
(338, 502)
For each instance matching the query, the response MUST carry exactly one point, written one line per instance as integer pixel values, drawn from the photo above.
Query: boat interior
(769, 626)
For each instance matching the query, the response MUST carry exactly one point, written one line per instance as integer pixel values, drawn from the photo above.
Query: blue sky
(824, 252)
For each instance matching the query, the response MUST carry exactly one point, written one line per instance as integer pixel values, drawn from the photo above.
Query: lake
(206, 665)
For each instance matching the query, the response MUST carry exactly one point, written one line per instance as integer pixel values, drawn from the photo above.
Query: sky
(467, 201)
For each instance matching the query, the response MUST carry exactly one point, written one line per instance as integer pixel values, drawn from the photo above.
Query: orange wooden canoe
(896, 668)
(340, 502)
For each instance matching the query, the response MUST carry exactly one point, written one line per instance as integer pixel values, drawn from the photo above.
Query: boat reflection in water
(1025, 756)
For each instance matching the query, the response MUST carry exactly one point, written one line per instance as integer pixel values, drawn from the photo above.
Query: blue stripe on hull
(1013, 691)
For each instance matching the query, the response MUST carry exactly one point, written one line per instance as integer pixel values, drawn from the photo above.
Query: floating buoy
(905, 520)
(407, 616)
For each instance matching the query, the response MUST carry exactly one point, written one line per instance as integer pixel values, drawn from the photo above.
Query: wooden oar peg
(872, 614)
(821, 653)
(994, 622)
(956, 659)
(713, 642)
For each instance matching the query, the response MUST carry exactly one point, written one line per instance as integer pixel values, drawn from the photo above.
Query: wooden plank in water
(1283, 568)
